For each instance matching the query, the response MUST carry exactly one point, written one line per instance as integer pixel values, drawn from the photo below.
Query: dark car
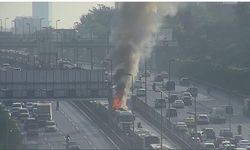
(185, 81)
(160, 103)
(173, 97)
(226, 132)
(158, 78)
(171, 112)
(187, 100)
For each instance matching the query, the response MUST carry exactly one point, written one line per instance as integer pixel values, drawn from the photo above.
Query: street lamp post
(161, 118)
(41, 19)
(29, 27)
(5, 24)
(145, 69)
(57, 22)
(14, 21)
(169, 77)
(195, 122)
(132, 89)
(1, 25)
(111, 65)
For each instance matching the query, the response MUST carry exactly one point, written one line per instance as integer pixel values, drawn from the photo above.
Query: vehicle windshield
(23, 111)
(126, 118)
(51, 123)
(16, 105)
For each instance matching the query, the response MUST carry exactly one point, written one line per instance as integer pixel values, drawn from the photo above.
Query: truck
(44, 113)
(246, 107)
(145, 138)
(124, 120)
(217, 115)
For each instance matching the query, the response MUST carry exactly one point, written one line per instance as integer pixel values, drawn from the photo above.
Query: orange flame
(117, 103)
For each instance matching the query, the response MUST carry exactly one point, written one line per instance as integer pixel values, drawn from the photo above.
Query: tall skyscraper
(42, 10)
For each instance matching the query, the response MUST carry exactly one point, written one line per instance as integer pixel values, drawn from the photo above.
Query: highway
(81, 129)
(204, 104)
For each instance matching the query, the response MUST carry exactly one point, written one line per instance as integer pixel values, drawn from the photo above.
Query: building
(26, 25)
(43, 11)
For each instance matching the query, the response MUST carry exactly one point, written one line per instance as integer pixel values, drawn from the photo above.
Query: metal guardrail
(168, 128)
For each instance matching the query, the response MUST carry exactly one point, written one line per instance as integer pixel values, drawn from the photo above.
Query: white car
(178, 104)
(188, 94)
(140, 92)
(50, 126)
(202, 119)
(138, 84)
(181, 126)
(209, 146)
(243, 144)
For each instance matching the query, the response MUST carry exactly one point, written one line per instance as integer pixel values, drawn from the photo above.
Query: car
(209, 146)
(140, 92)
(243, 143)
(189, 121)
(208, 133)
(160, 103)
(158, 78)
(16, 106)
(50, 126)
(23, 116)
(226, 132)
(202, 119)
(187, 100)
(173, 97)
(15, 112)
(164, 74)
(236, 139)
(23, 110)
(29, 106)
(138, 84)
(218, 141)
(178, 104)
(73, 146)
(181, 126)
(171, 112)
(185, 81)
(187, 94)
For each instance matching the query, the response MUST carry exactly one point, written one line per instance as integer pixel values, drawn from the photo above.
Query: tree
(10, 136)
(97, 22)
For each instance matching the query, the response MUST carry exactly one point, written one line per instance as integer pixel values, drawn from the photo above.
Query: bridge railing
(168, 127)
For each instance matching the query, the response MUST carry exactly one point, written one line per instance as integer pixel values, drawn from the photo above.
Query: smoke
(133, 34)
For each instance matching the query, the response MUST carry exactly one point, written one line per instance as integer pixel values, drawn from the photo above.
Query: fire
(117, 103)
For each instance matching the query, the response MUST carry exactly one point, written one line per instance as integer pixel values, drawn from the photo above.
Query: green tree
(10, 136)
(97, 21)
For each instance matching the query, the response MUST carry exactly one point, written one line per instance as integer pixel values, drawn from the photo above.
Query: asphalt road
(204, 104)
(81, 129)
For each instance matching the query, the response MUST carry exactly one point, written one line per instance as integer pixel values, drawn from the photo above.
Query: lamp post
(29, 28)
(5, 24)
(14, 21)
(111, 65)
(169, 77)
(161, 119)
(57, 22)
(145, 69)
(132, 89)
(1, 25)
(41, 19)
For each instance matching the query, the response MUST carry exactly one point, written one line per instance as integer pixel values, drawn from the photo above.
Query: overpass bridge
(53, 84)
(86, 43)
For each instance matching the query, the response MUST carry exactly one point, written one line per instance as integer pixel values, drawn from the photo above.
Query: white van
(217, 115)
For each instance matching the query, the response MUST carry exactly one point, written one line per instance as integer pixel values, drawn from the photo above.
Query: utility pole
(91, 58)
(1, 25)
(161, 121)
(5, 20)
(195, 120)
(145, 71)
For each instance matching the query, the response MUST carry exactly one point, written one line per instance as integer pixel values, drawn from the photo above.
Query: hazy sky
(68, 12)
